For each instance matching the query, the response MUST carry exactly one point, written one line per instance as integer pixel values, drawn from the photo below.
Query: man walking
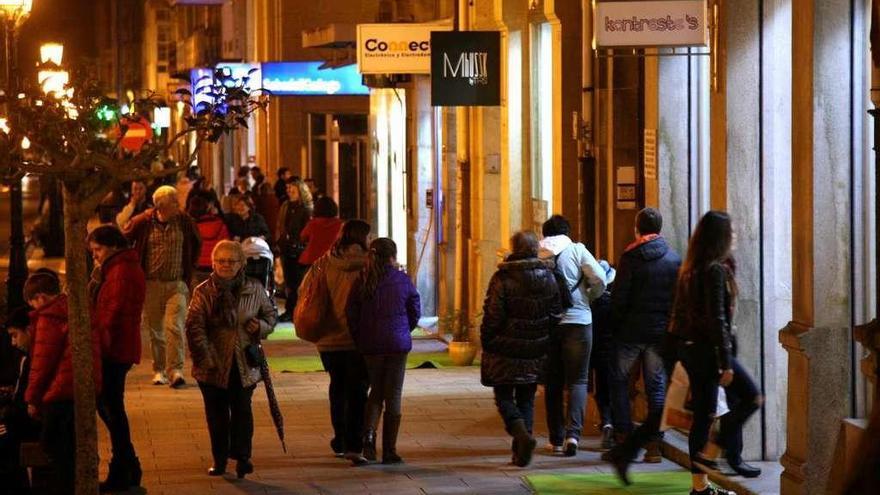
(568, 354)
(640, 307)
(169, 247)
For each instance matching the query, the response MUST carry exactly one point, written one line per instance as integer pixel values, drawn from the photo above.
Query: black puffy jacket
(704, 315)
(643, 292)
(521, 306)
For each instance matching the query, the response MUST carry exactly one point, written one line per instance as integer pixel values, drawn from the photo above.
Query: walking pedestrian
(348, 372)
(245, 222)
(267, 206)
(292, 218)
(703, 318)
(602, 362)
(49, 393)
(321, 231)
(383, 309)
(568, 356)
(212, 229)
(228, 317)
(15, 424)
(521, 307)
(640, 305)
(138, 202)
(117, 292)
(168, 245)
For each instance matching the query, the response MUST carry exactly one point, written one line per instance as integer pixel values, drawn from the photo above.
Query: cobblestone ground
(452, 440)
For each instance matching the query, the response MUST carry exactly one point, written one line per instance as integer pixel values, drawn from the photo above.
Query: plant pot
(462, 353)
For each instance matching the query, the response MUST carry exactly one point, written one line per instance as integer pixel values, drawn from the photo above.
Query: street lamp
(12, 14)
(53, 80)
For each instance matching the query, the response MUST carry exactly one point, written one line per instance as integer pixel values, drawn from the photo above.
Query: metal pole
(54, 245)
(18, 270)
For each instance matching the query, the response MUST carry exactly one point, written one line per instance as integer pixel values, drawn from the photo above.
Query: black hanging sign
(465, 68)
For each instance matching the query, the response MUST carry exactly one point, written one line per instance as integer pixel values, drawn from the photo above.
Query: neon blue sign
(307, 79)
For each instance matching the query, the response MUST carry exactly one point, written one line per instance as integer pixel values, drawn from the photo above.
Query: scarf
(643, 240)
(226, 305)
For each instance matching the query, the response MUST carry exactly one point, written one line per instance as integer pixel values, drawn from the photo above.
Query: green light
(106, 113)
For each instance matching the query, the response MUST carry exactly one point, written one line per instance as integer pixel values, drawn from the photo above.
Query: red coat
(51, 375)
(318, 235)
(117, 309)
(212, 230)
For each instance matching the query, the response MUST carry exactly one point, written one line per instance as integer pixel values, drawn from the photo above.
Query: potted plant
(462, 348)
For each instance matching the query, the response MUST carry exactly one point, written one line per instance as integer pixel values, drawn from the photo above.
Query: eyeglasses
(227, 261)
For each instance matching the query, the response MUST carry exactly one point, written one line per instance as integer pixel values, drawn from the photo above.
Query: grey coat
(213, 346)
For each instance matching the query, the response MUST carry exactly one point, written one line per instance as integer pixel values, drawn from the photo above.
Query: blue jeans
(568, 365)
(654, 376)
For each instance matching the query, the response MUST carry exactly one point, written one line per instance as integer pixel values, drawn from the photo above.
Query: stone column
(818, 338)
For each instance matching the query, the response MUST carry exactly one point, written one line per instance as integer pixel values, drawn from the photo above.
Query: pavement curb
(675, 448)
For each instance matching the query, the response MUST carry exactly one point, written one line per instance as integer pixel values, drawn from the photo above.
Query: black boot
(390, 428)
(117, 477)
(370, 444)
(243, 467)
(525, 444)
(621, 461)
(745, 470)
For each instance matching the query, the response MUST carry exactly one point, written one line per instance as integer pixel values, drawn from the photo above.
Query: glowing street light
(16, 10)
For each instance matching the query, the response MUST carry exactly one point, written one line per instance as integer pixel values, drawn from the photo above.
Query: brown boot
(653, 455)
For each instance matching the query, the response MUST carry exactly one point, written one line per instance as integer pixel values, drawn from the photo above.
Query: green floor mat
(305, 364)
(657, 483)
(284, 332)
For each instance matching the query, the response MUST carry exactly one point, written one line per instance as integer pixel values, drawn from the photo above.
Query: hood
(522, 264)
(551, 246)
(651, 250)
(351, 260)
(210, 226)
(124, 256)
(56, 310)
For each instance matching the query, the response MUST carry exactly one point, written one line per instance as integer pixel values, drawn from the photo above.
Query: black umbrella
(274, 408)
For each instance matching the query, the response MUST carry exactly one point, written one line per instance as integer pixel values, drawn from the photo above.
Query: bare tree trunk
(75, 250)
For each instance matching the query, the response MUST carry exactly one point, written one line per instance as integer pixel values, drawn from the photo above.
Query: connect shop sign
(308, 79)
(396, 48)
(657, 23)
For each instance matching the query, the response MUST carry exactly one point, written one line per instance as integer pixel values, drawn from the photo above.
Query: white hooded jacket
(574, 262)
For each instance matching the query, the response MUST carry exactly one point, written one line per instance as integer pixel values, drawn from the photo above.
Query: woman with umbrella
(228, 316)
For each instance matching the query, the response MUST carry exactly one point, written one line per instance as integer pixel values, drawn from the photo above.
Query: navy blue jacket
(644, 291)
(382, 324)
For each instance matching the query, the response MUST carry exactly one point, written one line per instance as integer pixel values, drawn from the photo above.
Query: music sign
(465, 68)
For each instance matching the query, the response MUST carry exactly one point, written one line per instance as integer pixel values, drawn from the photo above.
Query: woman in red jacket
(118, 289)
(49, 394)
(321, 231)
(212, 229)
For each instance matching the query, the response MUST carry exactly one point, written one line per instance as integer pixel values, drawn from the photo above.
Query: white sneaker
(160, 379)
(177, 380)
(570, 447)
(556, 449)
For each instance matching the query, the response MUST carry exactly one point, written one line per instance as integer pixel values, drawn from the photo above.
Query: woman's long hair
(382, 251)
(710, 243)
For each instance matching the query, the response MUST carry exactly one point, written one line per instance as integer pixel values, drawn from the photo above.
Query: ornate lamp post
(12, 14)
(53, 80)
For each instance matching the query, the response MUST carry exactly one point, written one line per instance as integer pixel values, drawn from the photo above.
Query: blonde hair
(232, 246)
(164, 192)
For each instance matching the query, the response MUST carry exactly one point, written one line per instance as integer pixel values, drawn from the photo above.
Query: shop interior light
(52, 52)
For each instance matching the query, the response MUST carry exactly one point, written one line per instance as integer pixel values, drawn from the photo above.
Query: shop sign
(466, 68)
(308, 79)
(656, 23)
(396, 48)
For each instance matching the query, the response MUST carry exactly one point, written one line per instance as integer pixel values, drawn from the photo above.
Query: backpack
(564, 291)
(313, 303)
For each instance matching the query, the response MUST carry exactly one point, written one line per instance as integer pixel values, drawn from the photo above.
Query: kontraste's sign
(466, 68)
(655, 23)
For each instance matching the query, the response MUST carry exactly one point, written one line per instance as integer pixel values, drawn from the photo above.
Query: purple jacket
(382, 324)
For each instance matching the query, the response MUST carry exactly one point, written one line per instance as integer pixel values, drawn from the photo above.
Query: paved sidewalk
(452, 440)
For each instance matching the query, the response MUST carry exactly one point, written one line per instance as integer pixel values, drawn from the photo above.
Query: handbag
(677, 408)
(312, 304)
